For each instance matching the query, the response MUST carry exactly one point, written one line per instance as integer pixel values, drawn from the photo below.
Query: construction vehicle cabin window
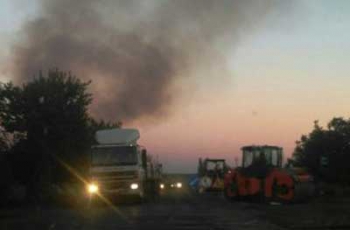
(274, 156)
(211, 165)
(215, 165)
(271, 156)
(247, 158)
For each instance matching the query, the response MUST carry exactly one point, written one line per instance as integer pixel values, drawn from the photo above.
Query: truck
(119, 166)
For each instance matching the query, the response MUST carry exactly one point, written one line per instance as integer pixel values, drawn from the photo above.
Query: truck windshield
(116, 155)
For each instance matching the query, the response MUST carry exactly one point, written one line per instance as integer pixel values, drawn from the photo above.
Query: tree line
(46, 132)
(45, 129)
(325, 151)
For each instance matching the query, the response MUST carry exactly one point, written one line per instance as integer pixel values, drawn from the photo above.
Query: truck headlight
(178, 185)
(92, 188)
(134, 186)
(161, 186)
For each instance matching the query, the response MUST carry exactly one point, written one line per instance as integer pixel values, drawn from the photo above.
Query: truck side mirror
(144, 158)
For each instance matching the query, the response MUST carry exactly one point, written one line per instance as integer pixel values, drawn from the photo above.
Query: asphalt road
(182, 212)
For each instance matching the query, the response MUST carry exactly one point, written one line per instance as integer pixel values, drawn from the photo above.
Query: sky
(291, 71)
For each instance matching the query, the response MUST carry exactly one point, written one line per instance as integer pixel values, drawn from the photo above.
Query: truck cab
(118, 165)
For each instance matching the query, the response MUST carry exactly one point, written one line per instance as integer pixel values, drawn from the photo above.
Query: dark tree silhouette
(50, 126)
(326, 151)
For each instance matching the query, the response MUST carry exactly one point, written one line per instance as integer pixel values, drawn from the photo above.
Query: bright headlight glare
(134, 186)
(179, 185)
(161, 186)
(92, 188)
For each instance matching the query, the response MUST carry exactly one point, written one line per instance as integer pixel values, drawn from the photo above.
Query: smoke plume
(133, 51)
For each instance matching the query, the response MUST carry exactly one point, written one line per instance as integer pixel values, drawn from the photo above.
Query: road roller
(261, 177)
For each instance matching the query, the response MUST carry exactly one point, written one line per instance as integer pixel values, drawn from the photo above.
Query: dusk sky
(291, 70)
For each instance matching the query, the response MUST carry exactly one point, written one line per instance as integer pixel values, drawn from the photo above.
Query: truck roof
(117, 136)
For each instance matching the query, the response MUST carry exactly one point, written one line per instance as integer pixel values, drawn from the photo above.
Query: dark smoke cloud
(133, 51)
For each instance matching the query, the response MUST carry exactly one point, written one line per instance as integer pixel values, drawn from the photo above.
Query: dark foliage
(326, 151)
(50, 128)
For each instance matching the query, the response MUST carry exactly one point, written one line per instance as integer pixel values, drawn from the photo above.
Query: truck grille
(114, 180)
(115, 185)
